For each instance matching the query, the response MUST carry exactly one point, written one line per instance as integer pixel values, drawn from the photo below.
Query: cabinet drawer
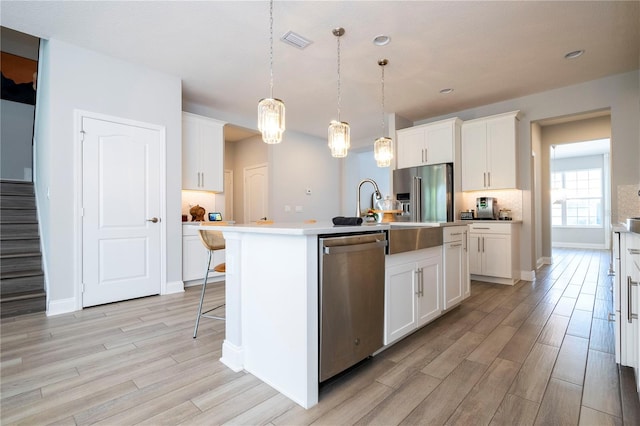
(490, 228)
(453, 233)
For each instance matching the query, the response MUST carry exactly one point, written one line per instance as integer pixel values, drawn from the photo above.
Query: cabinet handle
(478, 244)
(633, 251)
(426, 155)
(465, 240)
(421, 282)
(489, 179)
(198, 179)
(630, 316)
(417, 272)
(456, 233)
(483, 244)
(484, 176)
(202, 179)
(456, 245)
(480, 227)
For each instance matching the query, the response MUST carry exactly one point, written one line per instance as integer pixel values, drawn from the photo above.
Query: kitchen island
(272, 303)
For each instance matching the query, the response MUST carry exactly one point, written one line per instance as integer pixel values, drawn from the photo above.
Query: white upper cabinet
(490, 152)
(202, 153)
(432, 143)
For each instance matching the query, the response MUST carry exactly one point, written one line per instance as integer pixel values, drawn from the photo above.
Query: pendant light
(339, 132)
(382, 148)
(271, 110)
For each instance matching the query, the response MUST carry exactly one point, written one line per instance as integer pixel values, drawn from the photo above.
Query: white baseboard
(528, 275)
(174, 287)
(62, 306)
(495, 280)
(580, 246)
(232, 356)
(546, 260)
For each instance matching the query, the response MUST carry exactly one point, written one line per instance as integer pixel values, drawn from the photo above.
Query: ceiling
(486, 51)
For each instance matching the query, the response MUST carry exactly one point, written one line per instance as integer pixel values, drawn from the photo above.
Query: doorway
(122, 228)
(256, 192)
(569, 217)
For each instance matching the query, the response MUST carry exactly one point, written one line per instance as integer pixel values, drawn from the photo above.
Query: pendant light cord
(339, 97)
(382, 66)
(271, 49)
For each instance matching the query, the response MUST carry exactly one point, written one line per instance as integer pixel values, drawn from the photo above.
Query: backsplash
(202, 198)
(507, 199)
(628, 202)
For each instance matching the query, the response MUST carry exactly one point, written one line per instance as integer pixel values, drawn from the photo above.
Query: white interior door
(121, 199)
(256, 192)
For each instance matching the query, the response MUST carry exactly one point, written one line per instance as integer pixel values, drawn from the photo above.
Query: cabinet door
(212, 155)
(429, 298)
(190, 153)
(496, 255)
(452, 258)
(501, 155)
(475, 254)
(410, 148)
(439, 142)
(399, 302)
(194, 258)
(474, 156)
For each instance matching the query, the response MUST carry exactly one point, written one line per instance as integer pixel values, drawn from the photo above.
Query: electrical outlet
(298, 209)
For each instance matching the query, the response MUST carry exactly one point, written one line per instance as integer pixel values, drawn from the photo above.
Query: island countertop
(293, 228)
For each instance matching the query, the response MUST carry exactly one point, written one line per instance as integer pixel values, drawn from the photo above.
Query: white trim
(62, 306)
(547, 260)
(528, 275)
(232, 356)
(579, 245)
(78, 115)
(174, 287)
(495, 280)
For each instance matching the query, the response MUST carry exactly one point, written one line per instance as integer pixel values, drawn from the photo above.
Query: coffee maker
(486, 208)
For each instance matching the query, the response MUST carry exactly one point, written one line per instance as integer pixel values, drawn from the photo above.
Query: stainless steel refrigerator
(425, 193)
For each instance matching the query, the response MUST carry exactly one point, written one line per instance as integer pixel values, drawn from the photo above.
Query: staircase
(21, 276)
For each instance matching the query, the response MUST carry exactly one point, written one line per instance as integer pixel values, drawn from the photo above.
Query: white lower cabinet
(455, 259)
(628, 280)
(413, 291)
(194, 257)
(493, 249)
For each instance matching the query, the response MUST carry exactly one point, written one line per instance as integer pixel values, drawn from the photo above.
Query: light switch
(298, 209)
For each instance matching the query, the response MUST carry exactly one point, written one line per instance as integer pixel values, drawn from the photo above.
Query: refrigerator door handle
(417, 196)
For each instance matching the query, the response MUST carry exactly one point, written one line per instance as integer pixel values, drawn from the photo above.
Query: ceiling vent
(295, 40)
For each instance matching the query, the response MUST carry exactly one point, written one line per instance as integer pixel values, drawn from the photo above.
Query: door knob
(154, 220)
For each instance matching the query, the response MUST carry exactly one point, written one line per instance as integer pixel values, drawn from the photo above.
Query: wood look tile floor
(539, 353)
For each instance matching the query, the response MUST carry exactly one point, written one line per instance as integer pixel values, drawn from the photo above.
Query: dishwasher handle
(355, 247)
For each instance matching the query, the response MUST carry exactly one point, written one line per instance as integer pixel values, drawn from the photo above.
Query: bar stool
(212, 240)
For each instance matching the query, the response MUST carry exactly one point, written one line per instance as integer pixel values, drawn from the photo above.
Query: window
(577, 198)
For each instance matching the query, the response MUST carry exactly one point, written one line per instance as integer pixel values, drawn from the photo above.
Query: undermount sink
(633, 224)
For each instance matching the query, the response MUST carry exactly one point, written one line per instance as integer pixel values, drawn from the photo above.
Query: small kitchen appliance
(467, 214)
(504, 214)
(487, 208)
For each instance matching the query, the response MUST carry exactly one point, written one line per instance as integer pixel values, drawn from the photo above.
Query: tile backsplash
(628, 201)
(507, 199)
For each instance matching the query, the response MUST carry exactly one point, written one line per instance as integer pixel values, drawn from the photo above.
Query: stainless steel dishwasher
(351, 299)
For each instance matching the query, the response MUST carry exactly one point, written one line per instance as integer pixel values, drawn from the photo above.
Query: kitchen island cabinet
(457, 286)
(271, 294)
(413, 288)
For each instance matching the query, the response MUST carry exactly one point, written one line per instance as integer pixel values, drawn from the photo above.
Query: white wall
(300, 162)
(75, 78)
(15, 141)
(620, 93)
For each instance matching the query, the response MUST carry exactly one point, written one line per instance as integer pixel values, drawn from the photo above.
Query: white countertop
(293, 228)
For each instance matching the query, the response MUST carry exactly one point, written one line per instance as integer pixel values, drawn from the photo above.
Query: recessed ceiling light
(381, 40)
(574, 54)
(446, 91)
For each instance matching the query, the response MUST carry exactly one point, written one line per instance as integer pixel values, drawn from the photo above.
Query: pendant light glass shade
(339, 138)
(383, 146)
(339, 131)
(383, 151)
(271, 120)
(271, 110)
